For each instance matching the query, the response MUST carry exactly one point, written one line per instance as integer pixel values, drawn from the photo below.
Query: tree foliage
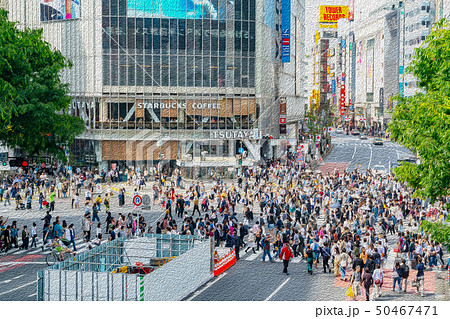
(438, 232)
(422, 122)
(33, 100)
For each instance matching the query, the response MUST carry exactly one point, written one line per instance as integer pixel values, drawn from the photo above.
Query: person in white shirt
(377, 281)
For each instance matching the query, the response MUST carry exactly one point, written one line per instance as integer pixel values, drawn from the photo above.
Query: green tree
(422, 122)
(33, 100)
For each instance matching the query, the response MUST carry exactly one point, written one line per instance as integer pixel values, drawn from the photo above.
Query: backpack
(404, 246)
(405, 271)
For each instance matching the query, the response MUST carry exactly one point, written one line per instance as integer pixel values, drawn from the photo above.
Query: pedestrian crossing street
(79, 243)
(250, 256)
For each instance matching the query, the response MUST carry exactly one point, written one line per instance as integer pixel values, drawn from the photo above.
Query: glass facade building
(181, 82)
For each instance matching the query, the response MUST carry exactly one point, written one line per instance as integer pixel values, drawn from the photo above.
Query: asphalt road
(362, 154)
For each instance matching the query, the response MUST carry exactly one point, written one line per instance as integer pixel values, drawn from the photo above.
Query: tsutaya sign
(236, 134)
(333, 13)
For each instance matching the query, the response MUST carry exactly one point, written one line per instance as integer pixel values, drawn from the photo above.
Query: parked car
(412, 160)
(355, 132)
(363, 136)
(377, 141)
(339, 131)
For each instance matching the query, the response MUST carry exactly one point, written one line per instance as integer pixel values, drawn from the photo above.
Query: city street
(252, 279)
(249, 279)
(350, 152)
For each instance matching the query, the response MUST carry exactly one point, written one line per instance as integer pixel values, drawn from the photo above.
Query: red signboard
(282, 120)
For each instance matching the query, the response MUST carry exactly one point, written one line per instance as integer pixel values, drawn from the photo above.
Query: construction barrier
(152, 267)
(225, 263)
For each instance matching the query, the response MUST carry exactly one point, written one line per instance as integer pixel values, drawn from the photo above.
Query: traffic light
(240, 161)
(4, 158)
(268, 137)
(18, 162)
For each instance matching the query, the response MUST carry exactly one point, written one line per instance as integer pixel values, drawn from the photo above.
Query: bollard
(141, 283)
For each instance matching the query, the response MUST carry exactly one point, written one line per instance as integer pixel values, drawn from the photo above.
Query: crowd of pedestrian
(341, 220)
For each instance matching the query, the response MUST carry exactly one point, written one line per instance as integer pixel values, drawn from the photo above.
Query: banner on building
(286, 31)
(370, 65)
(351, 10)
(283, 106)
(381, 102)
(328, 26)
(332, 14)
(52, 10)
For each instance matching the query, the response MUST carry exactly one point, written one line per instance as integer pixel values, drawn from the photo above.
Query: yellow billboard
(328, 26)
(332, 14)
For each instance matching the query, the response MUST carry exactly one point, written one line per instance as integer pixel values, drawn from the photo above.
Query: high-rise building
(180, 83)
(417, 18)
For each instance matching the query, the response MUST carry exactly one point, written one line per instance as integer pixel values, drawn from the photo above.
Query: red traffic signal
(270, 137)
(24, 163)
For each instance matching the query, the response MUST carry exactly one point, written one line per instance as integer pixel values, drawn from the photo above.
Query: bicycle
(55, 256)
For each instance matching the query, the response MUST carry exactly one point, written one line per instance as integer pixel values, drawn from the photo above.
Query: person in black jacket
(358, 262)
(326, 255)
(237, 243)
(405, 275)
(370, 264)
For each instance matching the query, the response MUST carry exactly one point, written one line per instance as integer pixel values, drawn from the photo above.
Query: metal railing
(150, 250)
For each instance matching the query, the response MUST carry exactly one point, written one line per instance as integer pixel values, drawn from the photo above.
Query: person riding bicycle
(61, 247)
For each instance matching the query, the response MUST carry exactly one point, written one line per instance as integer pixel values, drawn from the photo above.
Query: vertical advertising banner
(381, 102)
(342, 111)
(351, 10)
(286, 31)
(60, 10)
(283, 106)
(370, 70)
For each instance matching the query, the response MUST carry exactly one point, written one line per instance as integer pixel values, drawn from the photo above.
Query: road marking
(254, 256)
(9, 280)
(277, 290)
(371, 152)
(17, 288)
(32, 295)
(209, 284)
(354, 153)
(22, 263)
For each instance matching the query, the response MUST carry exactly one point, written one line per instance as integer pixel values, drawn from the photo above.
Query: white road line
(398, 156)
(296, 260)
(209, 284)
(371, 153)
(32, 295)
(277, 290)
(354, 153)
(17, 288)
(9, 280)
(9, 263)
(254, 256)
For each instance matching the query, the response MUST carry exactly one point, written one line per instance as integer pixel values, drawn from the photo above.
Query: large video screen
(60, 10)
(179, 9)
